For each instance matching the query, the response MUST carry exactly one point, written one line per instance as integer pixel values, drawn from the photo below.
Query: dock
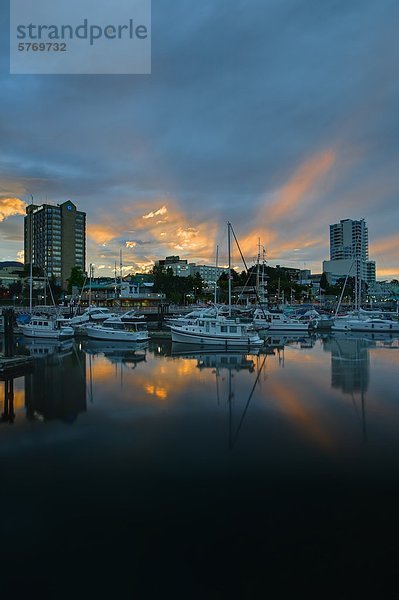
(15, 366)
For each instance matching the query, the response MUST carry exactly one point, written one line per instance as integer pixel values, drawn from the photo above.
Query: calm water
(167, 472)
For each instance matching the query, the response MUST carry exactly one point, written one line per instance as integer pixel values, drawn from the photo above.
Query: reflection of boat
(92, 346)
(276, 340)
(211, 360)
(47, 328)
(40, 347)
(126, 352)
(387, 339)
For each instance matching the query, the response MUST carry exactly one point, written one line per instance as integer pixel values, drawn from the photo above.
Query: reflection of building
(349, 252)
(58, 239)
(57, 387)
(350, 363)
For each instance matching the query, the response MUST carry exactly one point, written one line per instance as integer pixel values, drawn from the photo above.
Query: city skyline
(281, 121)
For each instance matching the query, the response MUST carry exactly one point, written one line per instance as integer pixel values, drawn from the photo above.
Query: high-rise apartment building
(349, 251)
(55, 239)
(349, 239)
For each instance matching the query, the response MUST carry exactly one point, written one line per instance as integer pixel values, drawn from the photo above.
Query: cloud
(160, 211)
(10, 207)
(302, 186)
(282, 134)
(101, 234)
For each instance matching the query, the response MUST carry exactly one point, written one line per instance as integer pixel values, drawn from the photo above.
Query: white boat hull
(365, 325)
(289, 327)
(100, 333)
(202, 338)
(55, 334)
(375, 328)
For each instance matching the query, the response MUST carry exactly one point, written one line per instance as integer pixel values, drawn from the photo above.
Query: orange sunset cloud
(301, 186)
(10, 207)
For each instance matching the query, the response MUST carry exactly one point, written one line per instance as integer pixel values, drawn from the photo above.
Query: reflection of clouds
(155, 390)
(384, 357)
(293, 402)
(301, 393)
(159, 380)
(19, 397)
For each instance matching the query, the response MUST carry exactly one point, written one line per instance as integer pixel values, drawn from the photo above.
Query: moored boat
(278, 321)
(119, 329)
(374, 325)
(93, 314)
(47, 328)
(219, 331)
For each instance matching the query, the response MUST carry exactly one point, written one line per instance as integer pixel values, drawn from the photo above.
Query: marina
(199, 300)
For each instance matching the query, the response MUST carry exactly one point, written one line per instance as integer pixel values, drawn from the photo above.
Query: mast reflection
(233, 362)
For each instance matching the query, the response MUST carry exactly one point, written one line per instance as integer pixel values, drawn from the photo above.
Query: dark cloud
(241, 95)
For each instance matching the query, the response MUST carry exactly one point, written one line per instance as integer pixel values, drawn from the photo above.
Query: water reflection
(350, 363)
(293, 381)
(40, 348)
(129, 354)
(279, 340)
(55, 389)
(257, 457)
(8, 414)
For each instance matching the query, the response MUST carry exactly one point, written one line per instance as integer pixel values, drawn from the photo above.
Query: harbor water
(163, 470)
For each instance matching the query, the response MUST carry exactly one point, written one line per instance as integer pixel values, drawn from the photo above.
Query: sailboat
(216, 329)
(360, 320)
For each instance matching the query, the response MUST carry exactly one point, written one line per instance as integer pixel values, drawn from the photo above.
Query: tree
(76, 279)
(324, 285)
(198, 285)
(15, 288)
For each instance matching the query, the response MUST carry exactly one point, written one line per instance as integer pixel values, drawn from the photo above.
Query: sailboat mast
(257, 269)
(90, 279)
(216, 277)
(229, 252)
(31, 259)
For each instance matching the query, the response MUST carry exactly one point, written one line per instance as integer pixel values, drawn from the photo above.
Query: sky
(280, 116)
